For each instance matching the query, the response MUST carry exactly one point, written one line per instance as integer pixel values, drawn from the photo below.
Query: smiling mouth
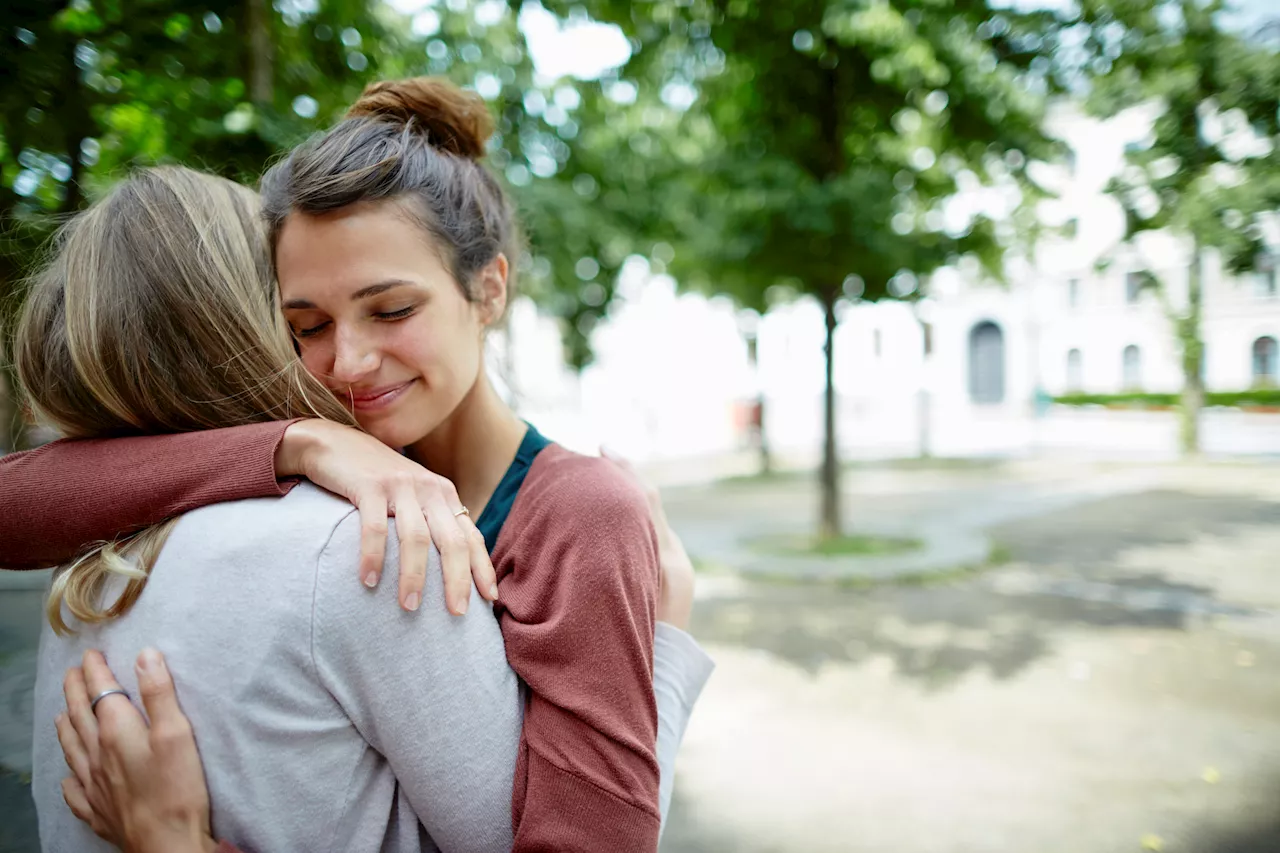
(379, 399)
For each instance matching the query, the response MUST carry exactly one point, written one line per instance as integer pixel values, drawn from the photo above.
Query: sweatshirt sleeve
(60, 497)
(680, 671)
(578, 580)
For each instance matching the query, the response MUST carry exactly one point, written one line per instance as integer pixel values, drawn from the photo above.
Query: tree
(809, 146)
(92, 88)
(1208, 170)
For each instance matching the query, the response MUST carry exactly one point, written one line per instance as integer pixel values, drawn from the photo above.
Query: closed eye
(314, 330)
(395, 315)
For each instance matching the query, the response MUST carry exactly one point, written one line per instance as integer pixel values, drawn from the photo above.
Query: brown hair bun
(453, 120)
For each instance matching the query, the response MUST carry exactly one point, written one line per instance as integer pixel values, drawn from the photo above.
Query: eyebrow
(362, 293)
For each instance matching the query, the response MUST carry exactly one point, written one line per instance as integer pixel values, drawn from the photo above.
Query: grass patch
(999, 556)
(705, 567)
(801, 545)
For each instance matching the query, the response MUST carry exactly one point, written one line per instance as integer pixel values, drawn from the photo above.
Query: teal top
(504, 497)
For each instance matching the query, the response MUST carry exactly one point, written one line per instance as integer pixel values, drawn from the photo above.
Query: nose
(353, 357)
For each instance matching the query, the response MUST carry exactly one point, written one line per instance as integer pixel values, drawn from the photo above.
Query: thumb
(158, 695)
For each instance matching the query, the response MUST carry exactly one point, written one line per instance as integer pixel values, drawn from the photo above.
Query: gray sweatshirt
(327, 718)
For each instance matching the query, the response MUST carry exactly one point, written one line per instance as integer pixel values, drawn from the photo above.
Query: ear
(491, 283)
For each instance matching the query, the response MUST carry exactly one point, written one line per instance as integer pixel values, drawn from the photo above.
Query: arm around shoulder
(56, 499)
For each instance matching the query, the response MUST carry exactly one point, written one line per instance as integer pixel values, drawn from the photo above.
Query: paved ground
(1115, 684)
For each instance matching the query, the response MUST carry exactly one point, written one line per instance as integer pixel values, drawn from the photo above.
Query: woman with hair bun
(392, 245)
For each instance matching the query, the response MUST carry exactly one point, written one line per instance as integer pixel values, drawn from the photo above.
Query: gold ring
(463, 511)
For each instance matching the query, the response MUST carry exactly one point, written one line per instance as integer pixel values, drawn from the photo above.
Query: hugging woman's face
(379, 318)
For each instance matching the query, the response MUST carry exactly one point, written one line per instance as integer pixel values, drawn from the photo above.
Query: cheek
(316, 358)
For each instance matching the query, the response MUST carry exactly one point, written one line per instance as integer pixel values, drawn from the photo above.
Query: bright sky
(579, 48)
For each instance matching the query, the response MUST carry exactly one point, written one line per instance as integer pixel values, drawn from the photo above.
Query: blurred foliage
(764, 149)
(1209, 170)
(809, 145)
(91, 88)
(756, 149)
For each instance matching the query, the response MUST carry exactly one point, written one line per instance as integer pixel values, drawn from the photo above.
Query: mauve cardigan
(577, 573)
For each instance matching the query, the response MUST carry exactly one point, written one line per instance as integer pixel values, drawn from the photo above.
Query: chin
(398, 430)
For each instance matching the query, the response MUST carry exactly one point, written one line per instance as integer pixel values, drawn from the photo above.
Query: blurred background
(948, 327)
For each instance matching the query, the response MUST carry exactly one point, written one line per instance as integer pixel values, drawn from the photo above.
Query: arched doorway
(1075, 370)
(1265, 354)
(1131, 369)
(986, 363)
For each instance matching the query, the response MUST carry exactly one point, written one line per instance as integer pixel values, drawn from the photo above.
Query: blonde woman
(327, 720)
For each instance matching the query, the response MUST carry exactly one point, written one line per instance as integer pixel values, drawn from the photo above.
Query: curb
(943, 551)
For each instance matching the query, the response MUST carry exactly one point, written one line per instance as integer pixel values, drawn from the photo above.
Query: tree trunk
(1192, 359)
(829, 523)
(261, 53)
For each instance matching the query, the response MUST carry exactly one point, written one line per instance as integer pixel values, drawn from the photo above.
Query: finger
(451, 541)
(122, 732)
(170, 728)
(73, 749)
(373, 537)
(79, 713)
(482, 571)
(415, 547)
(74, 794)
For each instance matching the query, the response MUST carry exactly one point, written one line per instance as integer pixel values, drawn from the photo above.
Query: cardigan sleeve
(58, 498)
(578, 580)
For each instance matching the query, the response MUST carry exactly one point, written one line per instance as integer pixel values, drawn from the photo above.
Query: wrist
(183, 841)
(296, 452)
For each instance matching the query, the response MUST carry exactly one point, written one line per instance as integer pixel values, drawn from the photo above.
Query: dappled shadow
(1063, 572)
(1089, 536)
(1252, 833)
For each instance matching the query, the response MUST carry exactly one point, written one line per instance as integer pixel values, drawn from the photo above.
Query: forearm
(60, 497)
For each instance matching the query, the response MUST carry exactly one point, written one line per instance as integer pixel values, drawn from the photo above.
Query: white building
(672, 372)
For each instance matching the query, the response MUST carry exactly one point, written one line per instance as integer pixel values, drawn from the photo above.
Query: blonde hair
(157, 313)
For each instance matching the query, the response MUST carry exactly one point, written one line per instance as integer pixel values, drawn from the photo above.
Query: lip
(377, 398)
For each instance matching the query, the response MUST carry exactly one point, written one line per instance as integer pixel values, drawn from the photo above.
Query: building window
(1133, 283)
(1132, 371)
(1073, 292)
(1264, 361)
(1075, 370)
(986, 363)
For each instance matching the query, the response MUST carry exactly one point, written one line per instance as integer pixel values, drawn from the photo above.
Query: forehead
(351, 248)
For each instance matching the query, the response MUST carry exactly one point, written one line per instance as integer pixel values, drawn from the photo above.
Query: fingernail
(412, 602)
(151, 663)
(493, 592)
(462, 606)
(371, 580)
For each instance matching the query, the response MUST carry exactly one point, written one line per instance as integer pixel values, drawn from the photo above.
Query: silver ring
(463, 511)
(103, 695)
